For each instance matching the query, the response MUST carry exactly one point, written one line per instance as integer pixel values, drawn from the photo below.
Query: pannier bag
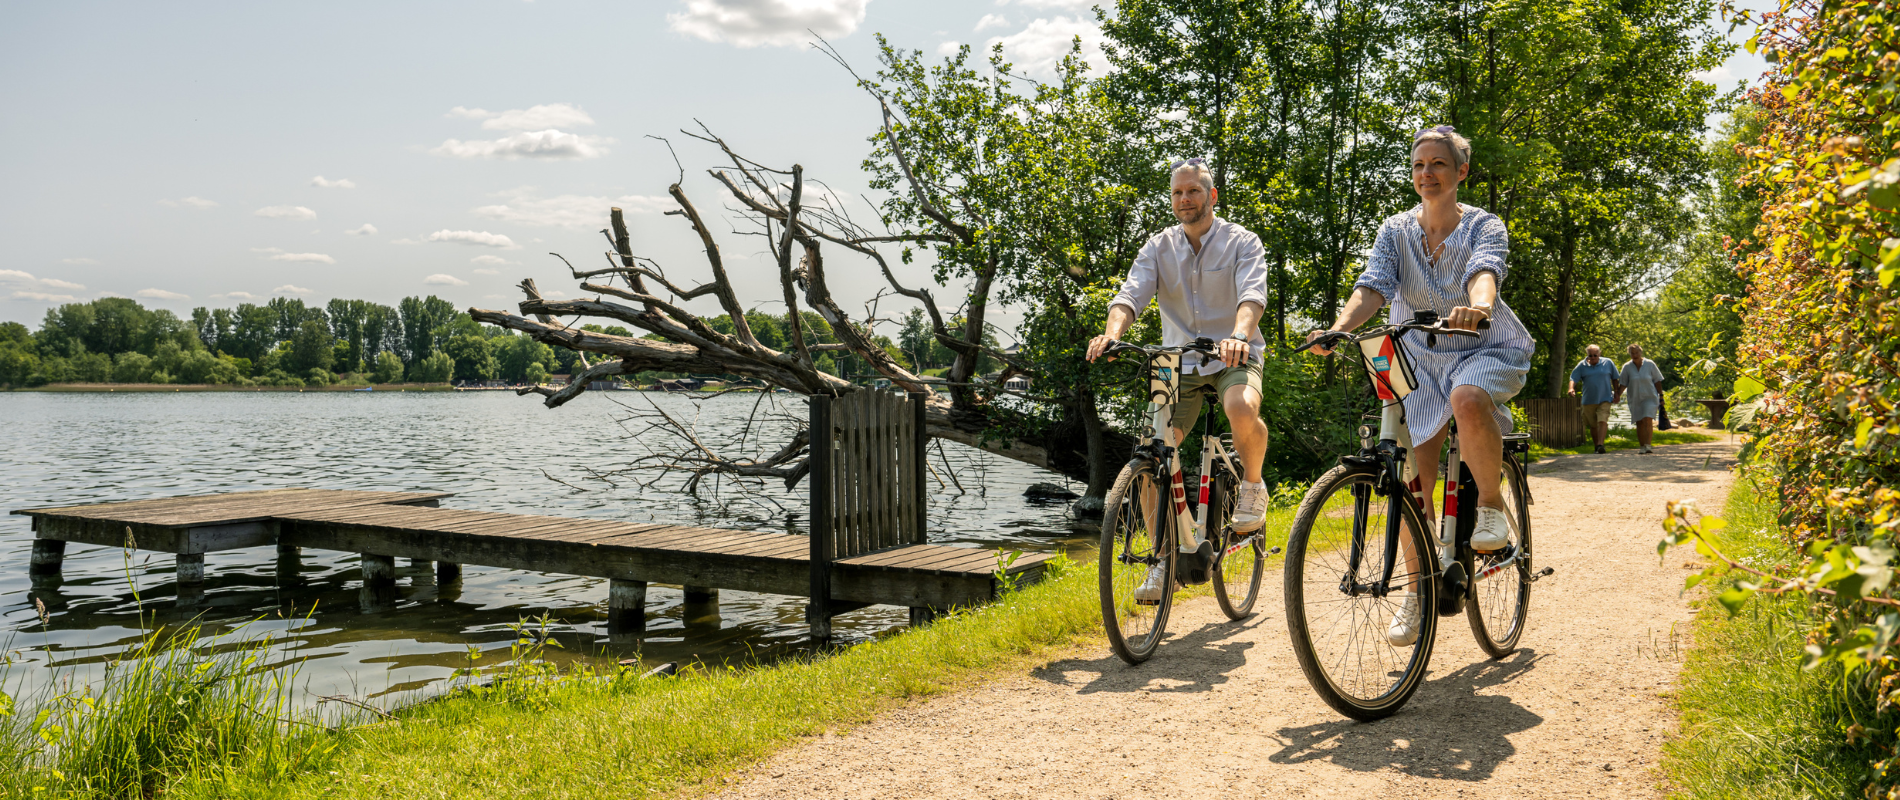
(1389, 367)
(1164, 379)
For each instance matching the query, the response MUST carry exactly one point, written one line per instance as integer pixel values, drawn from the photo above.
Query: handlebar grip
(1328, 339)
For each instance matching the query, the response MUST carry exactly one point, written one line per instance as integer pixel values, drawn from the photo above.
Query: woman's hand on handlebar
(1319, 348)
(1467, 318)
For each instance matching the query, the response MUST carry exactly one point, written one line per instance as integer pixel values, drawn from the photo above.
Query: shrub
(388, 368)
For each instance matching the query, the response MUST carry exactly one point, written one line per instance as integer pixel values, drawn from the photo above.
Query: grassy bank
(214, 387)
(191, 723)
(1621, 438)
(1754, 724)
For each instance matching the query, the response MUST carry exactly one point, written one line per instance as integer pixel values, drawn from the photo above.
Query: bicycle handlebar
(1424, 321)
(1204, 346)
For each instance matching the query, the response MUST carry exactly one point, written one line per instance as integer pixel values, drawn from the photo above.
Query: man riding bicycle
(1209, 279)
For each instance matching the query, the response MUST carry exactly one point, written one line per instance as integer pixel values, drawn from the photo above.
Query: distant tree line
(284, 342)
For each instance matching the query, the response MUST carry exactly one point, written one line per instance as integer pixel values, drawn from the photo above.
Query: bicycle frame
(1158, 442)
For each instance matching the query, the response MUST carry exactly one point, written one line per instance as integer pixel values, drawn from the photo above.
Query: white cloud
(366, 230)
(483, 238)
(405, 240)
(79, 261)
(189, 202)
(289, 289)
(552, 115)
(161, 294)
(569, 210)
(1719, 75)
(991, 21)
(17, 277)
(279, 255)
(751, 23)
(490, 260)
(948, 49)
(553, 294)
(44, 297)
(488, 272)
(531, 144)
(1079, 6)
(469, 113)
(440, 279)
(340, 183)
(1038, 48)
(286, 212)
(235, 296)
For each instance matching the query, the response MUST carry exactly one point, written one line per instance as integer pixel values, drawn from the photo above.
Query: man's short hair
(1592, 347)
(1199, 170)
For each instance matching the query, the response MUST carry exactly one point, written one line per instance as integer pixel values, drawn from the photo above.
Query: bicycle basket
(1164, 378)
(1388, 366)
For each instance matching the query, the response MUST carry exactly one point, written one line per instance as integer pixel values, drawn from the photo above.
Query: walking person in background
(1597, 375)
(1642, 379)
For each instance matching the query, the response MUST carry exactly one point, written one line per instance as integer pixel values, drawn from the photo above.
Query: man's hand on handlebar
(1234, 352)
(1099, 344)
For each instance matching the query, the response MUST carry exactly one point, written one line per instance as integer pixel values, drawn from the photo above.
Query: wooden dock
(383, 526)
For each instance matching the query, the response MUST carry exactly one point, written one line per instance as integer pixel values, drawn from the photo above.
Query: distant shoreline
(201, 387)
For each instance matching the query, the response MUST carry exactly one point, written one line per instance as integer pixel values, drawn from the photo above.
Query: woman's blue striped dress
(1399, 271)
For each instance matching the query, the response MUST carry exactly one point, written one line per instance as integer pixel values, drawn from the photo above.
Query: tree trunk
(1560, 332)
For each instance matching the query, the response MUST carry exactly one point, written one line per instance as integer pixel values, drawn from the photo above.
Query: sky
(208, 154)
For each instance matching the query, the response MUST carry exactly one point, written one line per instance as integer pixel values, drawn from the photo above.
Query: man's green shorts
(1193, 386)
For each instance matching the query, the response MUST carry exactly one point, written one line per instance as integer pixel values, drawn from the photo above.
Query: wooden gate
(867, 485)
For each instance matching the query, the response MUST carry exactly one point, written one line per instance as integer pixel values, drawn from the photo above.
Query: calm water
(495, 451)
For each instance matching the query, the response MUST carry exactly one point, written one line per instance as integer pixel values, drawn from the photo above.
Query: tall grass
(171, 711)
(1754, 724)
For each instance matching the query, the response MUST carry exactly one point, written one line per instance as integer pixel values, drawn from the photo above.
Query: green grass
(1620, 438)
(632, 737)
(1754, 724)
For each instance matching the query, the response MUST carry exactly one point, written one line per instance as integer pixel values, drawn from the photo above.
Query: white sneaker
(1150, 591)
(1493, 531)
(1405, 624)
(1250, 508)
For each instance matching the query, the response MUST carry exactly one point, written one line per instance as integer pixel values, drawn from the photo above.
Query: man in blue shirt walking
(1597, 375)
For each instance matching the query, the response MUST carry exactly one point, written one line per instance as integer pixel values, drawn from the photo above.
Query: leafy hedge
(1819, 359)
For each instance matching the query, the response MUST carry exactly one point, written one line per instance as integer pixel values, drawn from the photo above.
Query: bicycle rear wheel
(1242, 557)
(1501, 601)
(1338, 627)
(1134, 541)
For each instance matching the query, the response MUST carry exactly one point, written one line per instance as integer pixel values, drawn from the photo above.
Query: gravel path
(1580, 711)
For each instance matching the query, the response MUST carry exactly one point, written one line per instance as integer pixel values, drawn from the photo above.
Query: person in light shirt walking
(1209, 278)
(1642, 380)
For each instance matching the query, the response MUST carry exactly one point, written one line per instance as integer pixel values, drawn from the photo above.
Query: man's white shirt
(1199, 294)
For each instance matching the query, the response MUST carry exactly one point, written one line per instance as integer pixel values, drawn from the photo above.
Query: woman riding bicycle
(1447, 257)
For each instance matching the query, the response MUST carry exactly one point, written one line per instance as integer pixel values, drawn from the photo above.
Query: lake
(496, 452)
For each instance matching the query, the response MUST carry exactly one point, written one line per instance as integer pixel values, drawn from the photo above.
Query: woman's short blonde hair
(1460, 146)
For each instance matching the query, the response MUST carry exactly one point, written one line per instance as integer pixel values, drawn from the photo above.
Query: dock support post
(289, 564)
(48, 555)
(446, 572)
(626, 607)
(191, 569)
(426, 567)
(700, 595)
(379, 580)
(921, 616)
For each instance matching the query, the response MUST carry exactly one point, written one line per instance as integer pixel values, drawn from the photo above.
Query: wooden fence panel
(1556, 422)
(873, 471)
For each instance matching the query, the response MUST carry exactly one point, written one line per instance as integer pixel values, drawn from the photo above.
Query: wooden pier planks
(204, 523)
(914, 575)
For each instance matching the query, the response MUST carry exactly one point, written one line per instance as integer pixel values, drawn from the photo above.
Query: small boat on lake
(365, 389)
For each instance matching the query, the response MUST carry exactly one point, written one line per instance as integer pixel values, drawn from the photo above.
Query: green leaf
(1733, 598)
(1862, 432)
(1746, 388)
(1752, 42)
(1692, 581)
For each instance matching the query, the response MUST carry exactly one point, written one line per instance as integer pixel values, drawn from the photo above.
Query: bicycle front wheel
(1501, 600)
(1243, 556)
(1339, 626)
(1134, 544)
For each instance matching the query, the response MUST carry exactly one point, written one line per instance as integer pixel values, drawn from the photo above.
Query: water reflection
(495, 451)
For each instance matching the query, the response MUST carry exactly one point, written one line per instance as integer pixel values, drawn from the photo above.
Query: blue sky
(215, 153)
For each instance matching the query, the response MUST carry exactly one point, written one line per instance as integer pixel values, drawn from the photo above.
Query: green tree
(388, 368)
(474, 358)
(347, 323)
(435, 368)
(515, 354)
(425, 325)
(310, 348)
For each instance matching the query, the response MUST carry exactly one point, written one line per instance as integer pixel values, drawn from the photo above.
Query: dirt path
(1580, 711)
